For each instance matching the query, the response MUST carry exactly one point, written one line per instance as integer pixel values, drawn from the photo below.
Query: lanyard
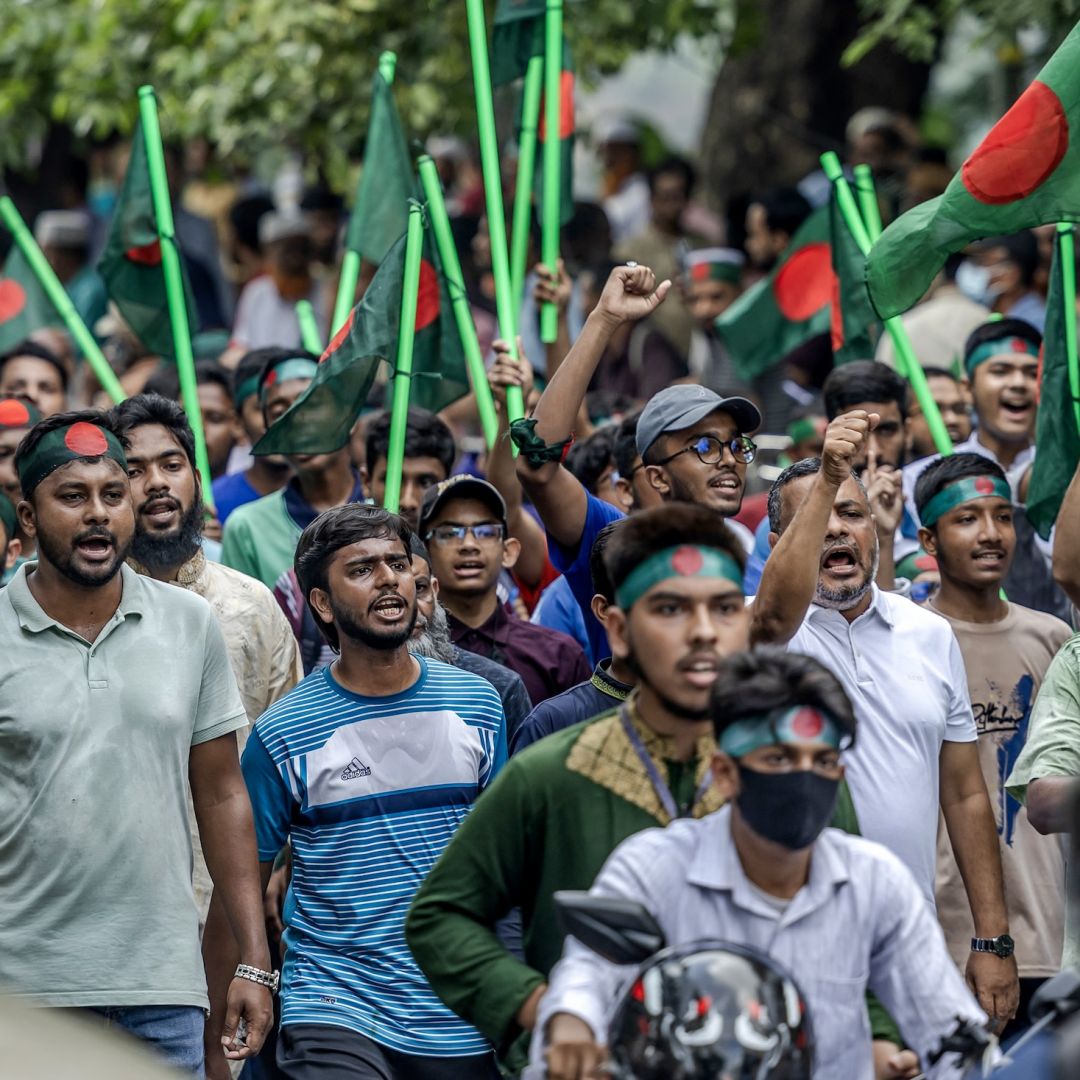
(663, 792)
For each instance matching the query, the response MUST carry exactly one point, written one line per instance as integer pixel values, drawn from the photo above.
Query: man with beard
(115, 694)
(368, 767)
(902, 669)
(167, 495)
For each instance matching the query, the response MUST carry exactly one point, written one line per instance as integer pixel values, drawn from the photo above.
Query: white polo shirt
(901, 666)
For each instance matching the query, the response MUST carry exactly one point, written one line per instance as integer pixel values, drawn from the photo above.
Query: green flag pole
(451, 268)
(309, 328)
(1067, 255)
(530, 119)
(489, 162)
(58, 297)
(399, 404)
(909, 364)
(868, 204)
(549, 234)
(350, 260)
(174, 283)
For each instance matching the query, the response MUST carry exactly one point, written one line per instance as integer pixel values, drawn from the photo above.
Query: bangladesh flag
(1057, 433)
(319, 421)
(517, 36)
(780, 312)
(567, 126)
(131, 261)
(24, 307)
(1026, 172)
(853, 322)
(381, 211)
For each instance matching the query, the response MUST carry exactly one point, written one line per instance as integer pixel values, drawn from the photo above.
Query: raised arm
(789, 580)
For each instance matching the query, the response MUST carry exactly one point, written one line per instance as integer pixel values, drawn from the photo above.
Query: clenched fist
(844, 440)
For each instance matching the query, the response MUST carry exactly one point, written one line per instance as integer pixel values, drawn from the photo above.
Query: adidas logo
(355, 769)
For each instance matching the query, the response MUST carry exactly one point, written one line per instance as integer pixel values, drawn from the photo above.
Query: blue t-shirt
(557, 609)
(370, 792)
(574, 564)
(230, 492)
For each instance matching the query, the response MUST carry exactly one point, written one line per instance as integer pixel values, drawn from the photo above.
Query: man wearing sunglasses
(463, 523)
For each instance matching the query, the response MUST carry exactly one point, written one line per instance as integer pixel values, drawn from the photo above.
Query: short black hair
(601, 580)
(42, 428)
(418, 549)
(947, 470)
(671, 525)
(670, 166)
(253, 363)
(38, 352)
(806, 467)
(997, 330)
(766, 678)
(145, 409)
(426, 435)
(786, 208)
(321, 197)
(165, 380)
(1022, 248)
(589, 458)
(624, 450)
(244, 217)
(861, 381)
(327, 535)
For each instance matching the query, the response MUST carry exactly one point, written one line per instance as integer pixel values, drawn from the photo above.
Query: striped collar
(604, 682)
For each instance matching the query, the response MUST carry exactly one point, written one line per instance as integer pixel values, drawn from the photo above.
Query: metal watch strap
(269, 979)
(984, 944)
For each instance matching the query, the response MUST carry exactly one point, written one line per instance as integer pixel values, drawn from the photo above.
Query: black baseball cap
(460, 487)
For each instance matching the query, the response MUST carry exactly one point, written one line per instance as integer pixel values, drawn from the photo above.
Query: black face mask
(789, 809)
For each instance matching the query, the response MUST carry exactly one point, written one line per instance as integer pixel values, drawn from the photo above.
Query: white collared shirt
(857, 923)
(901, 666)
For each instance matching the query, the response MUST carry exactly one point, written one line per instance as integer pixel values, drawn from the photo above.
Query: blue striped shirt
(370, 791)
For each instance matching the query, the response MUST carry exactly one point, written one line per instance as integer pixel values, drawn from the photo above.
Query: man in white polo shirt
(902, 669)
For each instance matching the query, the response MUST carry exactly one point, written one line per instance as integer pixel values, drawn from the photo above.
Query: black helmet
(711, 1011)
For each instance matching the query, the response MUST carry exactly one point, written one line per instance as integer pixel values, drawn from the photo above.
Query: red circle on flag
(147, 255)
(687, 561)
(804, 284)
(12, 299)
(1022, 149)
(86, 440)
(427, 298)
(14, 414)
(807, 723)
(984, 485)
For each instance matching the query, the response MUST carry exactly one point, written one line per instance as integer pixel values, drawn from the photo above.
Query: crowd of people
(746, 652)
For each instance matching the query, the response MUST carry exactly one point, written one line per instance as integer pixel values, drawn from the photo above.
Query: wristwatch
(269, 979)
(1002, 945)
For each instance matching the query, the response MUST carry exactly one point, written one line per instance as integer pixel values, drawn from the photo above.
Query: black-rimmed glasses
(710, 450)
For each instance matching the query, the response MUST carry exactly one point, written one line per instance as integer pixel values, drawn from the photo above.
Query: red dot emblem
(700, 272)
(1022, 149)
(146, 255)
(807, 723)
(687, 561)
(984, 485)
(14, 414)
(86, 440)
(1018, 345)
(804, 284)
(427, 297)
(12, 299)
(926, 562)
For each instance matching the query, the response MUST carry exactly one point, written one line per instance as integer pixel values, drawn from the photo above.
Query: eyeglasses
(484, 533)
(710, 450)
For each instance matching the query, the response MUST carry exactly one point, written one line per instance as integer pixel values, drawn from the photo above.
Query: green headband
(801, 430)
(999, 347)
(248, 388)
(15, 413)
(686, 560)
(81, 441)
(295, 367)
(7, 516)
(716, 271)
(971, 487)
(798, 724)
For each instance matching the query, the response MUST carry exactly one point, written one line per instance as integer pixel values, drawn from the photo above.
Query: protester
(953, 400)
(64, 238)
(99, 910)
(370, 766)
(10, 544)
(625, 187)
(1001, 274)
(771, 222)
(904, 673)
(463, 522)
(36, 374)
(782, 724)
(966, 511)
(17, 417)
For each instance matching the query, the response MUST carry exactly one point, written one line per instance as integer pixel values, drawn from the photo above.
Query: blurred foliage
(295, 74)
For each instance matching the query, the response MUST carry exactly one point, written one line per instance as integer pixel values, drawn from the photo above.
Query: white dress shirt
(858, 922)
(901, 666)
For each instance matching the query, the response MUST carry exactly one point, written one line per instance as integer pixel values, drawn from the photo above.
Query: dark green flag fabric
(1057, 433)
(567, 127)
(792, 304)
(381, 211)
(517, 36)
(1026, 172)
(24, 307)
(131, 262)
(855, 326)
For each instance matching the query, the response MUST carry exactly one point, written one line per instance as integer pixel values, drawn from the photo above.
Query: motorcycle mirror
(1059, 995)
(621, 931)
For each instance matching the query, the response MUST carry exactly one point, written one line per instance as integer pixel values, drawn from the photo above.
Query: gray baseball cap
(679, 407)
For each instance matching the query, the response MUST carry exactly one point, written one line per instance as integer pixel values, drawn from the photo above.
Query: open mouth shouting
(840, 563)
(97, 546)
(161, 512)
(389, 608)
(469, 569)
(1019, 410)
(700, 669)
(989, 558)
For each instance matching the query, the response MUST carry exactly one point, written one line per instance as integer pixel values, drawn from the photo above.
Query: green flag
(567, 126)
(24, 307)
(381, 211)
(855, 327)
(517, 36)
(1057, 435)
(783, 310)
(131, 262)
(1026, 172)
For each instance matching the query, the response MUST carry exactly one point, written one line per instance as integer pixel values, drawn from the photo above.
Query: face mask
(973, 281)
(789, 809)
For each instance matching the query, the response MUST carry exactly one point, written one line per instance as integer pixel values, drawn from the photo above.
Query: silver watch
(269, 979)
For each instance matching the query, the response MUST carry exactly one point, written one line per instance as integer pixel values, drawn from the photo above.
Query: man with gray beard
(902, 668)
(431, 638)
